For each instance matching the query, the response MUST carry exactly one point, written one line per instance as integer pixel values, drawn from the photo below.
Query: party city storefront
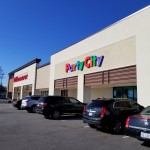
(111, 63)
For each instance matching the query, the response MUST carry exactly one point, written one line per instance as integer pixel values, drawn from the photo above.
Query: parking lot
(20, 130)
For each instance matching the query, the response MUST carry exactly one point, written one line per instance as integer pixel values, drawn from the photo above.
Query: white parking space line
(124, 137)
(86, 126)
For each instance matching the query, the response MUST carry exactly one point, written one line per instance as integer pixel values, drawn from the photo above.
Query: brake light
(84, 109)
(43, 105)
(127, 122)
(103, 112)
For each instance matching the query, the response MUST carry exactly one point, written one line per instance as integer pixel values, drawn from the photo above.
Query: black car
(17, 103)
(138, 126)
(55, 106)
(111, 113)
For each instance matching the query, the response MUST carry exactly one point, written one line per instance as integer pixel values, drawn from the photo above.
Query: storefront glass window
(44, 93)
(125, 92)
(135, 93)
(64, 93)
(117, 92)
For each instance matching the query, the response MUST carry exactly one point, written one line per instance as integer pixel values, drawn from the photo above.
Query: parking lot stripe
(125, 137)
(86, 126)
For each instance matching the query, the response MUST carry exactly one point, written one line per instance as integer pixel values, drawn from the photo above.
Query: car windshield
(146, 111)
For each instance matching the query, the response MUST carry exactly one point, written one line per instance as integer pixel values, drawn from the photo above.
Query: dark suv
(110, 113)
(55, 106)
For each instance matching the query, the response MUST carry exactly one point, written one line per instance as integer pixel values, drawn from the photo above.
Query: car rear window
(51, 99)
(146, 111)
(99, 103)
(124, 104)
(35, 97)
(25, 98)
(41, 100)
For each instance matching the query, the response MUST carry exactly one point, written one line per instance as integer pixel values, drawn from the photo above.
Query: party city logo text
(89, 61)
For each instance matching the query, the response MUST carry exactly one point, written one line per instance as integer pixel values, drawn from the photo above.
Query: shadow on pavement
(109, 131)
(146, 144)
(68, 118)
(71, 118)
(5, 101)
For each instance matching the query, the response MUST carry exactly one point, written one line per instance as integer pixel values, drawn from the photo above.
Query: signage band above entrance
(89, 61)
(17, 79)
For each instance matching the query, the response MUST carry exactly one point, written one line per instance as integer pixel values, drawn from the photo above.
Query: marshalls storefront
(111, 63)
(29, 79)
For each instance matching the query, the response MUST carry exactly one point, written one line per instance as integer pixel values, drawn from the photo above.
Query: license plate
(145, 135)
(90, 114)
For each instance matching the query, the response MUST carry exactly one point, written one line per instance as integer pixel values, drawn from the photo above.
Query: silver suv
(29, 103)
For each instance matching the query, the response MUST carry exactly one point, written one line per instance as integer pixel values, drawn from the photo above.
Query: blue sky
(32, 29)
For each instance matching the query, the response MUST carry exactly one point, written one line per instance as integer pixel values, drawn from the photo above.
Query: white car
(29, 103)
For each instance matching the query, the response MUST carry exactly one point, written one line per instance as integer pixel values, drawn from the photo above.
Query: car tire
(47, 116)
(33, 109)
(117, 127)
(92, 126)
(29, 111)
(56, 114)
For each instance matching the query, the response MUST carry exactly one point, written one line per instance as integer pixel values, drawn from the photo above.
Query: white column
(80, 90)
(13, 93)
(51, 80)
(87, 94)
(143, 68)
(33, 89)
(21, 92)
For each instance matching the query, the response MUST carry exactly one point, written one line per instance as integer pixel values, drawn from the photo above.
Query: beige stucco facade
(30, 72)
(122, 44)
(42, 80)
(116, 55)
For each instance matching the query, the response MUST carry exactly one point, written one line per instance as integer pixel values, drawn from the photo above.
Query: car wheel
(117, 127)
(92, 126)
(34, 109)
(56, 114)
(47, 116)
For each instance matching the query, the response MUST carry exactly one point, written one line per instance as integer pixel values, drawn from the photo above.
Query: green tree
(2, 89)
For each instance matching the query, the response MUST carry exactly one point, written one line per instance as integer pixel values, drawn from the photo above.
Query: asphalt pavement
(20, 130)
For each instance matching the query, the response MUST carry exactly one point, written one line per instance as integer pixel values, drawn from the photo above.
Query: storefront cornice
(46, 64)
(37, 60)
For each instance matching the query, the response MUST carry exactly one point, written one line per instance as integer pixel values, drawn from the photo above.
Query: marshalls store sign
(89, 61)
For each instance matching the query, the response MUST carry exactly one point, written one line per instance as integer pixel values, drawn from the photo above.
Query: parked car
(138, 126)
(110, 113)
(14, 101)
(29, 103)
(55, 106)
(17, 103)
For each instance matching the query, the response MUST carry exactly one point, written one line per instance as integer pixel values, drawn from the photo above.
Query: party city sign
(89, 61)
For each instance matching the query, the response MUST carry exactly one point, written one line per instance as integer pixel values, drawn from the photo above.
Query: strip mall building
(113, 62)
